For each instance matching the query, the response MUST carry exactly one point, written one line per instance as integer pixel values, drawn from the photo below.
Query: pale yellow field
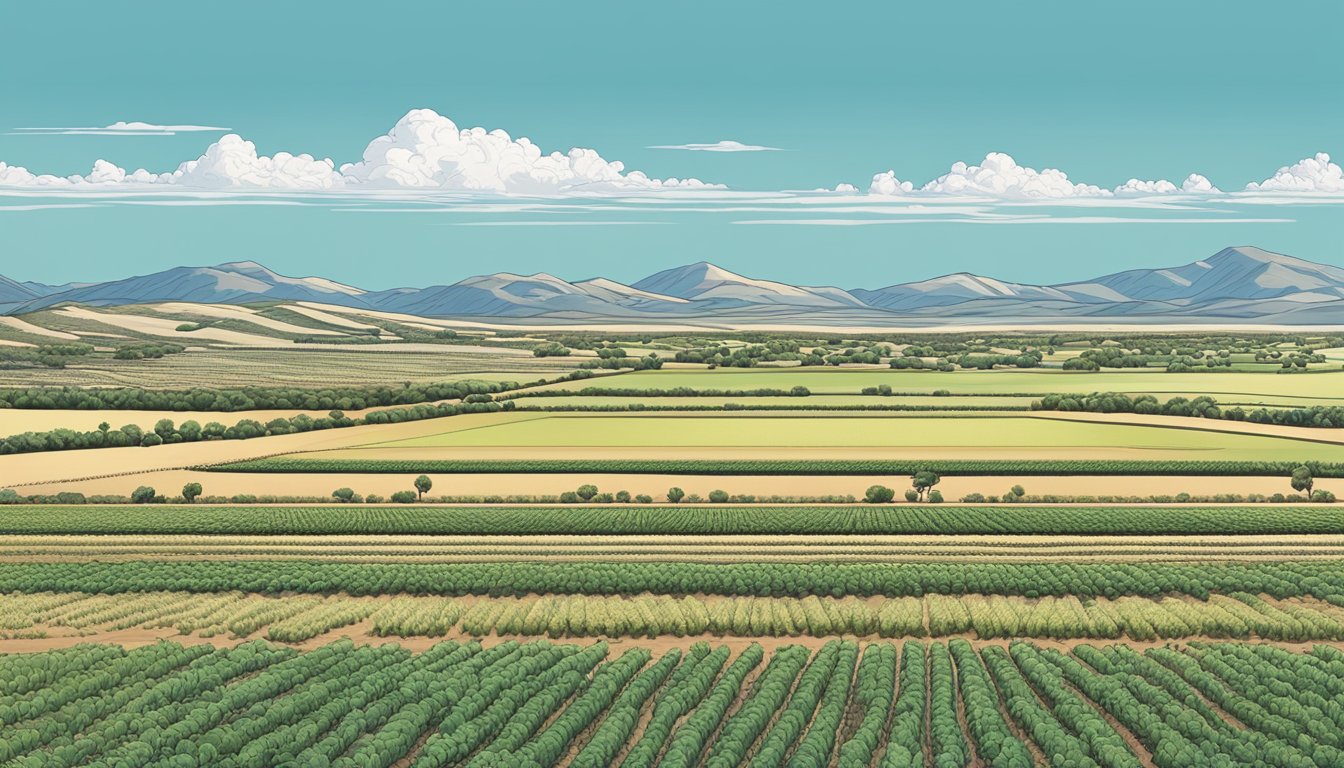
(476, 485)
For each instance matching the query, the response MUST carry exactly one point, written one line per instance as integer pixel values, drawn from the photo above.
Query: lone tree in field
(190, 491)
(1302, 479)
(923, 480)
(675, 494)
(879, 494)
(423, 484)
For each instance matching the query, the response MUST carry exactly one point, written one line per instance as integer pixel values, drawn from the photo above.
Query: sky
(810, 96)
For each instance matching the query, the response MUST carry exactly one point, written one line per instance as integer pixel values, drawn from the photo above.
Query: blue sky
(1147, 90)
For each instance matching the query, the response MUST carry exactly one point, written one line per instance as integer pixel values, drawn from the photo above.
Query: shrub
(675, 494)
(587, 492)
(1323, 496)
(911, 494)
(143, 495)
(373, 498)
(879, 494)
(569, 497)
(935, 497)
(642, 498)
(345, 495)
(973, 498)
(623, 497)
(718, 497)
(403, 497)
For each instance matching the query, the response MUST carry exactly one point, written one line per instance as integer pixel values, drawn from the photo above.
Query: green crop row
(606, 519)
(1323, 579)
(539, 704)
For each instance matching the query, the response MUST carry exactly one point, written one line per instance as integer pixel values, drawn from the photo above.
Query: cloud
(1193, 184)
(1312, 174)
(424, 151)
(719, 146)
(233, 162)
(998, 175)
(122, 128)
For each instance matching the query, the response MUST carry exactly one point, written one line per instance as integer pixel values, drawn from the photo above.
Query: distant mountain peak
(1236, 283)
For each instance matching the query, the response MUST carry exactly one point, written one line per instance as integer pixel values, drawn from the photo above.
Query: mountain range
(1241, 284)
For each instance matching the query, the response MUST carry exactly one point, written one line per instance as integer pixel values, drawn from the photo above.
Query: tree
(923, 480)
(143, 495)
(587, 492)
(343, 495)
(675, 494)
(1018, 490)
(423, 484)
(879, 494)
(1302, 479)
(190, 491)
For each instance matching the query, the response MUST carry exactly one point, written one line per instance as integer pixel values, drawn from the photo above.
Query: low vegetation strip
(667, 519)
(539, 704)
(1322, 579)
(684, 548)
(1023, 467)
(298, 618)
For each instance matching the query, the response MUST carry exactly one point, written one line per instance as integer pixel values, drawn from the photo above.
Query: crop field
(668, 520)
(846, 381)
(681, 566)
(300, 618)
(349, 365)
(539, 703)
(910, 436)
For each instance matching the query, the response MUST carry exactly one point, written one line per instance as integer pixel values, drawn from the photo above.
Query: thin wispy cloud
(121, 128)
(818, 222)
(719, 146)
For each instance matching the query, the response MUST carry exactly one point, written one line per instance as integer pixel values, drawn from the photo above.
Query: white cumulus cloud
(719, 146)
(886, 183)
(233, 162)
(1193, 184)
(423, 151)
(1312, 174)
(427, 150)
(998, 175)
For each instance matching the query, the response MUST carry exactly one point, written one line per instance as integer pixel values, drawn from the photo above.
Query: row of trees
(166, 431)
(244, 399)
(1204, 406)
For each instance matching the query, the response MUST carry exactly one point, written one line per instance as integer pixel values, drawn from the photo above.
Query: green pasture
(907, 435)
(1324, 385)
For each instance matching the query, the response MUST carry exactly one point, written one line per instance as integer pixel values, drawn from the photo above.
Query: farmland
(681, 566)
